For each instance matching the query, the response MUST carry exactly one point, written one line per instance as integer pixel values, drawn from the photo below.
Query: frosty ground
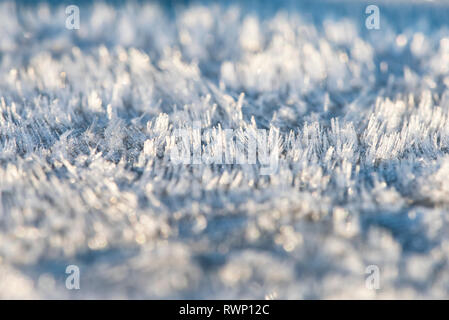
(87, 115)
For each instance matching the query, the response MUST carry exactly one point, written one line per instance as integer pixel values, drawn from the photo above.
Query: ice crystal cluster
(87, 117)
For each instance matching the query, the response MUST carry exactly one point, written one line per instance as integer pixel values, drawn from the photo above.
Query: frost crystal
(360, 118)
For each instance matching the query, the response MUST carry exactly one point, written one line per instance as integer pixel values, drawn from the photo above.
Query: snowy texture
(87, 117)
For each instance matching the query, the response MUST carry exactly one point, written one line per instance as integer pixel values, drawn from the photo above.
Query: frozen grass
(86, 117)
